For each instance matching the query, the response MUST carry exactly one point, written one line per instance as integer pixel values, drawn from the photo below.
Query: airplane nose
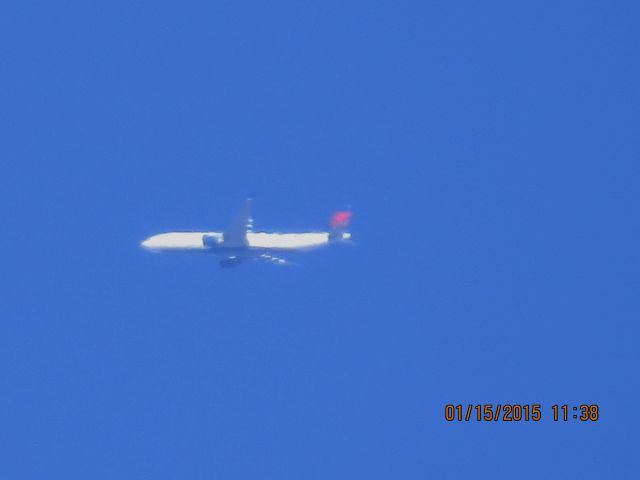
(146, 243)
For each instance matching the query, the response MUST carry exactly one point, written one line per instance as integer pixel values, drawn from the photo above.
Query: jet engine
(211, 241)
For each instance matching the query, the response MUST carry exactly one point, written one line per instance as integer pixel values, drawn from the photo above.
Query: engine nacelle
(211, 241)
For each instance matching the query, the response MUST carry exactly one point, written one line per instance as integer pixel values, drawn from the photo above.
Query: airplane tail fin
(340, 220)
(339, 224)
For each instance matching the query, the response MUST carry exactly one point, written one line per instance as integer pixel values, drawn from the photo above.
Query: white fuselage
(256, 241)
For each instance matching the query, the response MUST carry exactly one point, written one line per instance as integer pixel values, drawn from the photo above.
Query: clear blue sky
(490, 152)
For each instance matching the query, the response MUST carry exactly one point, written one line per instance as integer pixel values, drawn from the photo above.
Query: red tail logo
(341, 219)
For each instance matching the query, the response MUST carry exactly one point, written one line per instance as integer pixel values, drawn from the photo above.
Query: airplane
(239, 242)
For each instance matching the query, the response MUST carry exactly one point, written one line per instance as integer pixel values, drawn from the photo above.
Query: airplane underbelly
(177, 241)
(195, 241)
(287, 241)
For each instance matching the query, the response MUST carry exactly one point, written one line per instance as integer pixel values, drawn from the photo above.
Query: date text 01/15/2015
(515, 412)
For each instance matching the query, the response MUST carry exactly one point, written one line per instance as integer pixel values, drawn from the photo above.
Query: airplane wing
(272, 259)
(231, 261)
(234, 260)
(236, 234)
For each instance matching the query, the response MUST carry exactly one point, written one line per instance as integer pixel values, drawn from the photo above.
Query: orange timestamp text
(516, 412)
